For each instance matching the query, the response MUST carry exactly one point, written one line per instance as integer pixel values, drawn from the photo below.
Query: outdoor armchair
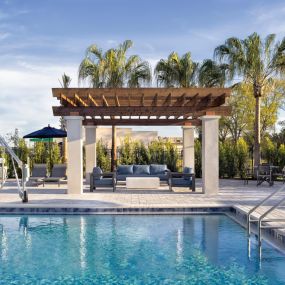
(39, 173)
(182, 179)
(98, 178)
(58, 174)
(280, 174)
(264, 173)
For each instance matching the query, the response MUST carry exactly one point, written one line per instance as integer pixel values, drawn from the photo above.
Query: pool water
(117, 249)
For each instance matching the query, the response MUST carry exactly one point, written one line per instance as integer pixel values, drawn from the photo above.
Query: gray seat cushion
(187, 170)
(141, 169)
(156, 169)
(125, 169)
(181, 182)
(103, 182)
(97, 170)
(121, 177)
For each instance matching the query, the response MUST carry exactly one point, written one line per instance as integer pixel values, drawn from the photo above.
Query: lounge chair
(98, 178)
(182, 179)
(58, 174)
(39, 173)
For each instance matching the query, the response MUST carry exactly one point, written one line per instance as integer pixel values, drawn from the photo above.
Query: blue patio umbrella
(47, 133)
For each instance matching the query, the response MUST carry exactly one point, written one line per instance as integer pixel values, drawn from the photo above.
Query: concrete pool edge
(114, 210)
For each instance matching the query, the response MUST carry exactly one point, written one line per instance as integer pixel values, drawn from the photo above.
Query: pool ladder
(262, 218)
(22, 190)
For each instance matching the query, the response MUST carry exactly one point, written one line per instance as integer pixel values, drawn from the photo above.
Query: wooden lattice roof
(141, 106)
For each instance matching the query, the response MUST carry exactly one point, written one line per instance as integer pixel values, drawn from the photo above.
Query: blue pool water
(197, 249)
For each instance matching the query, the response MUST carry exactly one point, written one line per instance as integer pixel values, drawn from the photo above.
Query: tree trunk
(257, 132)
(114, 150)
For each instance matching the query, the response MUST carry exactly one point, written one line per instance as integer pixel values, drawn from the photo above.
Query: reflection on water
(131, 249)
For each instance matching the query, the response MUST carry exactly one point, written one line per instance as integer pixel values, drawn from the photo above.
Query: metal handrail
(260, 204)
(260, 220)
(22, 191)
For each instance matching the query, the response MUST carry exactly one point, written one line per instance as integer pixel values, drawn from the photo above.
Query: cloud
(26, 97)
(269, 19)
(4, 35)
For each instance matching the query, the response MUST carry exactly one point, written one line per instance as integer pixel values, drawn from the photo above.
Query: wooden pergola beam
(136, 92)
(68, 100)
(82, 102)
(141, 122)
(117, 101)
(105, 102)
(90, 98)
(135, 111)
(167, 101)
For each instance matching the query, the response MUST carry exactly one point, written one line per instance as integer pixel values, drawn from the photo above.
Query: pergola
(186, 107)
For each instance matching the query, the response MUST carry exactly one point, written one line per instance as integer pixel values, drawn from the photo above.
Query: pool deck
(232, 193)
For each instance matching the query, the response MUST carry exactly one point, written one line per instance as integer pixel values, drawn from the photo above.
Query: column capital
(73, 118)
(188, 127)
(90, 127)
(209, 117)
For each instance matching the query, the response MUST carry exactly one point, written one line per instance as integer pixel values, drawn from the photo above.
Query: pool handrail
(260, 204)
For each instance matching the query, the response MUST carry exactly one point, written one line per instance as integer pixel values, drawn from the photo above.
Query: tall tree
(255, 61)
(65, 83)
(212, 74)
(115, 69)
(176, 71)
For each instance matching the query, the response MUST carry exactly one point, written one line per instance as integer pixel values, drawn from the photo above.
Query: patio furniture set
(265, 173)
(142, 177)
(39, 174)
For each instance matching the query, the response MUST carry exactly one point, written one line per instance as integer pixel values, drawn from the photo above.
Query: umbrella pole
(49, 146)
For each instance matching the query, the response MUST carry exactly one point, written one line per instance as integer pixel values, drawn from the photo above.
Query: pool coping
(114, 210)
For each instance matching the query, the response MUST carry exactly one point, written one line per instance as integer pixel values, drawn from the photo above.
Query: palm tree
(212, 74)
(176, 71)
(114, 69)
(64, 82)
(257, 62)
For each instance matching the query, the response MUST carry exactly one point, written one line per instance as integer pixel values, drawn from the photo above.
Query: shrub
(241, 157)
(198, 158)
(103, 156)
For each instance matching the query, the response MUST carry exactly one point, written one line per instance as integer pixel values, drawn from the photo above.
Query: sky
(42, 39)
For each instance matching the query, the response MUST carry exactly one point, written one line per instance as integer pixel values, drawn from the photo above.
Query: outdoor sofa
(153, 170)
(98, 178)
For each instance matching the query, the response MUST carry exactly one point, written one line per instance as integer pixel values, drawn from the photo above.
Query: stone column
(90, 150)
(188, 147)
(210, 154)
(74, 154)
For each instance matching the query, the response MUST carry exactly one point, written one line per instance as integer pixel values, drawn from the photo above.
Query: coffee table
(142, 182)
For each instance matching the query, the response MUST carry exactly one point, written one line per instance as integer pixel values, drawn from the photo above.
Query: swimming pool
(132, 249)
